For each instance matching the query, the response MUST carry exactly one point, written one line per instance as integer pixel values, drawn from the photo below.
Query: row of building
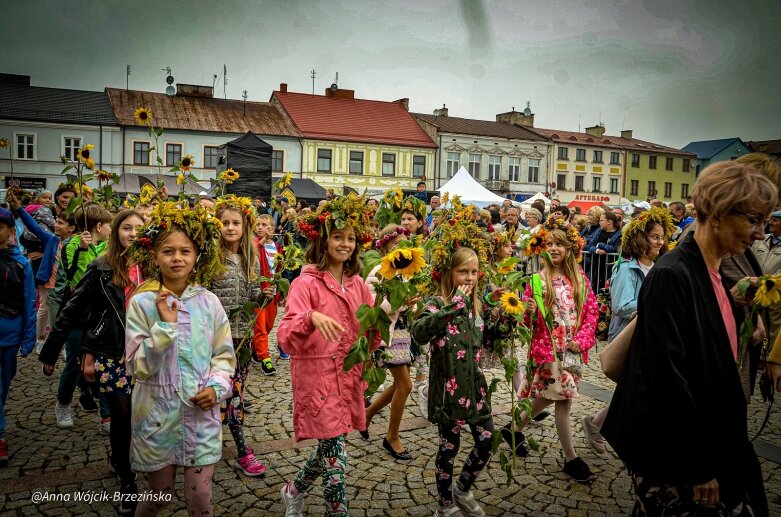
(341, 142)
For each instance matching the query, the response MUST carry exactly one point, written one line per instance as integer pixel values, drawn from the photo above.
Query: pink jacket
(541, 349)
(327, 402)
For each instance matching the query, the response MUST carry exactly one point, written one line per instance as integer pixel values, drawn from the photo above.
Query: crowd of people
(147, 305)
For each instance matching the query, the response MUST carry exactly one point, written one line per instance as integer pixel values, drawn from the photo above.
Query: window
(635, 160)
(515, 169)
(686, 165)
(277, 160)
(474, 165)
(580, 155)
(597, 157)
(25, 147)
(651, 189)
(173, 154)
(69, 146)
(452, 164)
(634, 187)
(684, 191)
(356, 162)
(418, 166)
(668, 189)
(614, 185)
(614, 159)
(140, 153)
(596, 184)
(563, 153)
(494, 168)
(579, 183)
(324, 160)
(534, 171)
(211, 157)
(389, 164)
(668, 164)
(561, 181)
(652, 162)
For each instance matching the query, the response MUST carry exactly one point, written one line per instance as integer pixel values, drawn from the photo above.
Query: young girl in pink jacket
(318, 330)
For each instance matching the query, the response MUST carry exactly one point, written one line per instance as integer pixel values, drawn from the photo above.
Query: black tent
(307, 190)
(251, 158)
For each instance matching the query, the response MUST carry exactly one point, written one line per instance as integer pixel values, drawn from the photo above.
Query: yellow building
(657, 171)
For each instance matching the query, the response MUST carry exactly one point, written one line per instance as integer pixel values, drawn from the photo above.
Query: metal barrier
(598, 268)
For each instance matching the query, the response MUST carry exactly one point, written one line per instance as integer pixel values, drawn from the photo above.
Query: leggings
(119, 436)
(197, 490)
(449, 443)
(328, 460)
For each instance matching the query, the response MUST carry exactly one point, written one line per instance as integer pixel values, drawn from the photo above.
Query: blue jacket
(51, 246)
(20, 331)
(624, 292)
(611, 246)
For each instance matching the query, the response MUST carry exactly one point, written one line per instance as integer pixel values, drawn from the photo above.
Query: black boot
(520, 449)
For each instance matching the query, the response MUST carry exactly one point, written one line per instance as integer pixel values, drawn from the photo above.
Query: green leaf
(67, 168)
(242, 356)
(397, 292)
(496, 440)
(153, 148)
(358, 353)
(87, 177)
(283, 284)
(370, 259)
(73, 204)
(383, 324)
(159, 131)
(192, 177)
(174, 169)
(159, 160)
(374, 378)
(533, 444)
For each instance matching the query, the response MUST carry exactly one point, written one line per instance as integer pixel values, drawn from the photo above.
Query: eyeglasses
(756, 220)
(655, 238)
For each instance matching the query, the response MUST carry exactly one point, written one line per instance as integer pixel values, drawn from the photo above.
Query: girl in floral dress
(562, 311)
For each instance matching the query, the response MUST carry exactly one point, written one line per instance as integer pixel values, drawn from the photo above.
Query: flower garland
(240, 203)
(658, 215)
(557, 222)
(380, 243)
(343, 212)
(416, 206)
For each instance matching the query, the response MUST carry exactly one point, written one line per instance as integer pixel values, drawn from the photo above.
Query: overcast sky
(673, 71)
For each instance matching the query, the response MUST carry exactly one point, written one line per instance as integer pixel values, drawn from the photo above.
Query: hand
(13, 201)
(85, 239)
(759, 333)
(531, 306)
(707, 494)
(34, 255)
(775, 373)
(167, 314)
(268, 291)
(205, 399)
(328, 327)
(48, 369)
(496, 294)
(601, 252)
(572, 346)
(465, 289)
(411, 302)
(748, 298)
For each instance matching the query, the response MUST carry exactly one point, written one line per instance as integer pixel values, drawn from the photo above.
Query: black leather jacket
(98, 307)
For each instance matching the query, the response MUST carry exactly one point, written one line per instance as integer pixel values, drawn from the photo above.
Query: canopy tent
(471, 192)
(539, 195)
(305, 189)
(251, 158)
(132, 183)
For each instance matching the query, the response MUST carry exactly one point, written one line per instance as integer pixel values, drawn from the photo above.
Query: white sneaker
(39, 346)
(423, 400)
(466, 501)
(592, 436)
(294, 504)
(453, 511)
(63, 414)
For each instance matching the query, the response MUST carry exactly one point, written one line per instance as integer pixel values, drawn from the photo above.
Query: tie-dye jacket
(171, 362)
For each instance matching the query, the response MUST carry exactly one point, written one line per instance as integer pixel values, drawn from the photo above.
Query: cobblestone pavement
(61, 463)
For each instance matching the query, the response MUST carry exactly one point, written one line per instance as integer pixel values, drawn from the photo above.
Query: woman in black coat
(678, 415)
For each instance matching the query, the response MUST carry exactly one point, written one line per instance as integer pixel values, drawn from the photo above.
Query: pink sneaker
(251, 466)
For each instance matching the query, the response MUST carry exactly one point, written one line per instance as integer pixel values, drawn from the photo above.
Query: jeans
(71, 374)
(7, 372)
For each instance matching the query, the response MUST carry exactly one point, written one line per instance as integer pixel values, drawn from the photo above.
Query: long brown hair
(571, 272)
(246, 247)
(459, 257)
(116, 257)
(317, 254)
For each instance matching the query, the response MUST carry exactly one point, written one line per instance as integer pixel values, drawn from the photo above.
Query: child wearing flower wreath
(178, 349)
(562, 311)
(318, 330)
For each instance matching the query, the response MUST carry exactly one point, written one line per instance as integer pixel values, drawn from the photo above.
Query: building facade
(712, 151)
(657, 171)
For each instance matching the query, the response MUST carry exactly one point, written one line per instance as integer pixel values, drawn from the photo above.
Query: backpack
(11, 286)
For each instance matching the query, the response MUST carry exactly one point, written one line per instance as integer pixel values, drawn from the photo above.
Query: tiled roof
(467, 126)
(202, 113)
(22, 102)
(633, 144)
(615, 142)
(765, 146)
(353, 120)
(706, 149)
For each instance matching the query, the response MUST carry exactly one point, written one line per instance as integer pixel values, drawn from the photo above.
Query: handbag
(613, 356)
(398, 352)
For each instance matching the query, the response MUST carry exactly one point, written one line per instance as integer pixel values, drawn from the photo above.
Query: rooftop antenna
(336, 79)
(170, 90)
(214, 82)
(528, 110)
(313, 74)
(579, 116)
(224, 82)
(127, 77)
(244, 96)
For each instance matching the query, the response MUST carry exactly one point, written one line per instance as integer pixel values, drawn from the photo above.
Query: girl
(235, 288)
(103, 293)
(452, 321)
(561, 292)
(179, 351)
(318, 330)
(401, 358)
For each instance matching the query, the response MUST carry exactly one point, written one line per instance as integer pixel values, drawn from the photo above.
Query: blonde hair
(486, 216)
(596, 211)
(246, 248)
(459, 257)
(729, 187)
(764, 164)
(571, 272)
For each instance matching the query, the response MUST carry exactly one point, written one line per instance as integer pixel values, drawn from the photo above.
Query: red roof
(353, 120)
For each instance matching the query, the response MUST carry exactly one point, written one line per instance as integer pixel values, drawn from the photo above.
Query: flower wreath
(416, 206)
(240, 203)
(343, 212)
(658, 215)
(501, 239)
(382, 241)
(198, 223)
(557, 222)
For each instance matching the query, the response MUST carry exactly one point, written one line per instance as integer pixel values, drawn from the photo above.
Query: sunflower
(89, 163)
(767, 293)
(83, 154)
(102, 175)
(229, 176)
(4, 143)
(186, 162)
(143, 117)
(511, 303)
(503, 269)
(180, 179)
(402, 261)
(536, 243)
(286, 179)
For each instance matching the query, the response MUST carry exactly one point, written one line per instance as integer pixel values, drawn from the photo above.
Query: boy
(79, 252)
(17, 314)
(267, 251)
(64, 228)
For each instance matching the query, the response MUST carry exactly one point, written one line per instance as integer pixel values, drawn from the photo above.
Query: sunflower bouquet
(389, 209)
(760, 293)
(80, 162)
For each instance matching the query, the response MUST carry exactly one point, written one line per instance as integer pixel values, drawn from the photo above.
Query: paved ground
(61, 463)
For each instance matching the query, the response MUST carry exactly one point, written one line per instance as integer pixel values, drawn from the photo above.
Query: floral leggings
(328, 460)
(449, 443)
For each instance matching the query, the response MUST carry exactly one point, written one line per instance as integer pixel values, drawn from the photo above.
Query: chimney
(194, 90)
(339, 93)
(441, 112)
(404, 103)
(519, 118)
(597, 130)
(282, 87)
(626, 133)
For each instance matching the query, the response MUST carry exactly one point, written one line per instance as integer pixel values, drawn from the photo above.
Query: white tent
(527, 203)
(471, 192)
